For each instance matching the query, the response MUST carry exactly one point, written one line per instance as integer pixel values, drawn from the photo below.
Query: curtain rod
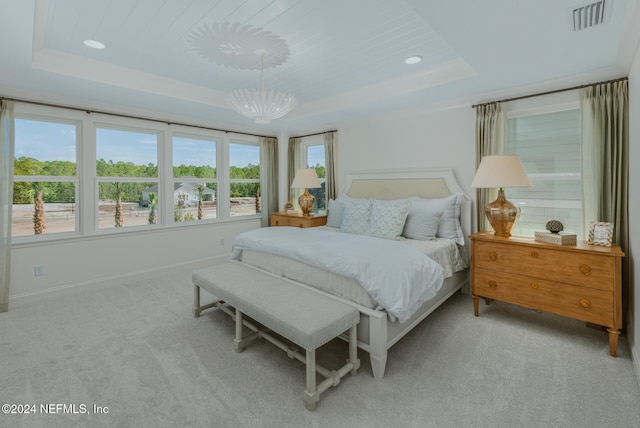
(550, 92)
(317, 133)
(88, 111)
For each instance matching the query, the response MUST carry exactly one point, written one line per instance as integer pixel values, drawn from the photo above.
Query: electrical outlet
(38, 270)
(222, 242)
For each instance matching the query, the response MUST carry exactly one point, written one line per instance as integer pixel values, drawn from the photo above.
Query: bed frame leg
(378, 344)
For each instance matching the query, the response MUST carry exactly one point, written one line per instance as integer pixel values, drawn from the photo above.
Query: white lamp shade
(497, 171)
(306, 179)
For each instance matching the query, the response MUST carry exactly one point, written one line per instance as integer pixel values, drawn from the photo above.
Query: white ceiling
(343, 59)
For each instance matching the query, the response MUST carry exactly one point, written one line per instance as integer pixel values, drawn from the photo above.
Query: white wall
(633, 332)
(417, 138)
(116, 258)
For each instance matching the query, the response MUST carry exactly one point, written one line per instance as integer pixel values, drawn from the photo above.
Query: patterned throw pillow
(387, 219)
(355, 217)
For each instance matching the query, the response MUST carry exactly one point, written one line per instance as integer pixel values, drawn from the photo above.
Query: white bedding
(399, 277)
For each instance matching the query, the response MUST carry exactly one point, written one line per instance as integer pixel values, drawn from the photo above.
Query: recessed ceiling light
(413, 60)
(94, 44)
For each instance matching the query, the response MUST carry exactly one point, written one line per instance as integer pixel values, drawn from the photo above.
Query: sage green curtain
(6, 199)
(491, 139)
(293, 160)
(604, 113)
(604, 110)
(268, 177)
(331, 160)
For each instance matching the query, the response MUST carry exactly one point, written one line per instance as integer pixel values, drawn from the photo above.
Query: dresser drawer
(577, 302)
(578, 268)
(286, 221)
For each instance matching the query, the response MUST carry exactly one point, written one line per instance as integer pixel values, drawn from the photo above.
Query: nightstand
(580, 281)
(297, 220)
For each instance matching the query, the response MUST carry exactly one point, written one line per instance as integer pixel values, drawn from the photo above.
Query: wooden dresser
(297, 220)
(578, 281)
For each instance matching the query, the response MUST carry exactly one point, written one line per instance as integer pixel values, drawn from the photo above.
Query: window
(45, 181)
(99, 174)
(549, 146)
(194, 179)
(313, 156)
(244, 179)
(127, 171)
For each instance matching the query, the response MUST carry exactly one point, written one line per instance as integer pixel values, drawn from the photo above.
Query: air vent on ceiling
(589, 16)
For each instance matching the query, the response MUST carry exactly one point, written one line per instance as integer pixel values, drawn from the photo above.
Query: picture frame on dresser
(601, 233)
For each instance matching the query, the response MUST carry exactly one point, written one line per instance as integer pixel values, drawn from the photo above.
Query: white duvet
(398, 277)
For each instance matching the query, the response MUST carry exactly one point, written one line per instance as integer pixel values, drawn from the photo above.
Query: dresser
(580, 281)
(297, 220)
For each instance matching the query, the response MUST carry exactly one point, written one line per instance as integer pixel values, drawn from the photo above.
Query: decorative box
(560, 238)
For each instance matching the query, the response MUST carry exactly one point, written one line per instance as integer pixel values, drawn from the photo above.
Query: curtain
(6, 199)
(293, 166)
(331, 159)
(268, 177)
(604, 115)
(491, 139)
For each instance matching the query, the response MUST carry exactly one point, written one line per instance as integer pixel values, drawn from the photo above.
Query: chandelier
(262, 105)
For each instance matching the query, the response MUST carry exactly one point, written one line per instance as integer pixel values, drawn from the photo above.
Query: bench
(303, 316)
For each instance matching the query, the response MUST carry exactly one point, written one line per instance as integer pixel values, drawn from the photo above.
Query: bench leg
(311, 395)
(196, 301)
(239, 331)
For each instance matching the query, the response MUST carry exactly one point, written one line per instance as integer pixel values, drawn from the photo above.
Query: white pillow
(387, 219)
(449, 226)
(336, 210)
(421, 225)
(355, 217)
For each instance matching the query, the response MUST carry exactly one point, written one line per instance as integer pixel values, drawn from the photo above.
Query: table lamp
(500, 171)
(306, 179)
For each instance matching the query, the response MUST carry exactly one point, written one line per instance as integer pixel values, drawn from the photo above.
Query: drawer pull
(585, 269)
(535, 285)
(493, 256)
(534, 254)
(586, 304)
(493, 285)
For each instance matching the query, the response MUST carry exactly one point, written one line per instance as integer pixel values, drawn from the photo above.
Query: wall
(118, 258)
(417, 138)
(633, 331)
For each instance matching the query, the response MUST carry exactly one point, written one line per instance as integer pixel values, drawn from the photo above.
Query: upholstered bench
(303, 316)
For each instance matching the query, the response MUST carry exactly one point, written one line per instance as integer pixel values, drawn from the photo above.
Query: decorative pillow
(421, 225)
(449, 226)
(355, 217)
(387, 219)
(336, 210)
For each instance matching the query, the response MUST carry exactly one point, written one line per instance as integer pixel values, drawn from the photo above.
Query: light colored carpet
(137, 350)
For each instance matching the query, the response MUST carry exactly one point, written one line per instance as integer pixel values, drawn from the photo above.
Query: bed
(382, 324)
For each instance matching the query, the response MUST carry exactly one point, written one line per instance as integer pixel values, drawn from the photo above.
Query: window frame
(305, 144)
(87, 181)
(555, 103)
(41, 116)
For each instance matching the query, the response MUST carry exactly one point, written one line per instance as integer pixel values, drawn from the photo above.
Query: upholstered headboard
(428, 183)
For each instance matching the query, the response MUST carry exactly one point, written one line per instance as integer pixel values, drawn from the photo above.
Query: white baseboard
(122, 279)
(633, 350)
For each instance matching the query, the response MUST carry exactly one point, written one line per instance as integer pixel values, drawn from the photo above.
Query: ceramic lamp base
(306, 201)
(502, 215)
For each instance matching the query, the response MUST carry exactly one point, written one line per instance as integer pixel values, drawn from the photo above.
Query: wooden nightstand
(297, 220)
(580, 281)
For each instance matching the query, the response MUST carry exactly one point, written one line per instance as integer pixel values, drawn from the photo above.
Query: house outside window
(99, 174)
(194, 178)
